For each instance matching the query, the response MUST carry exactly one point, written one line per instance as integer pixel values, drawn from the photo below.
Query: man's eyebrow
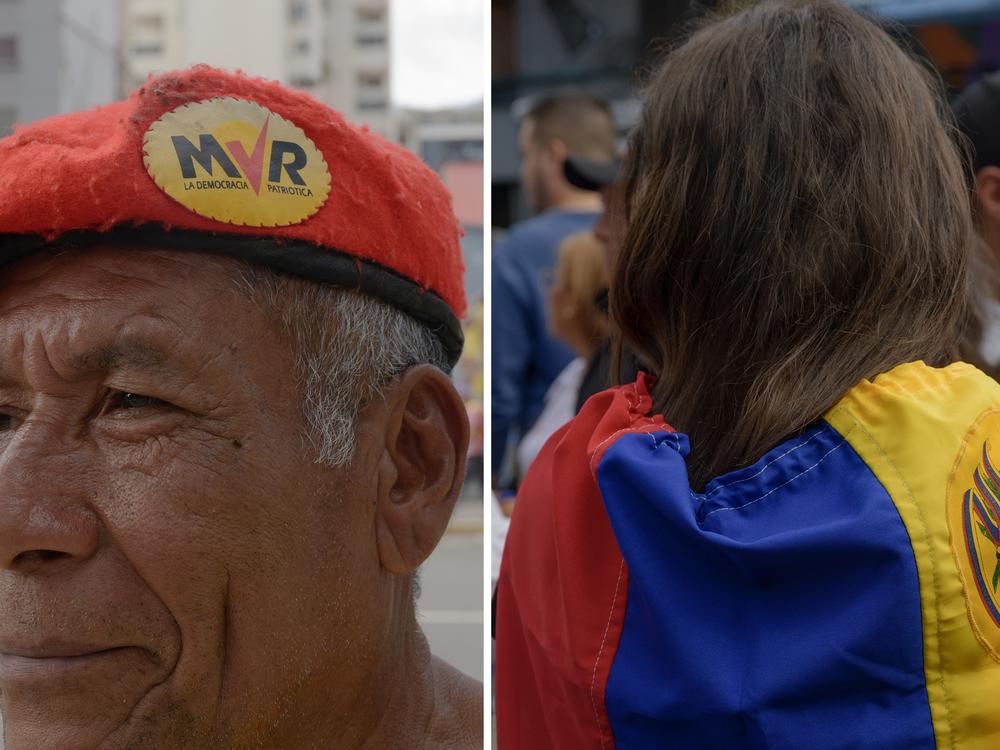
(116, 356)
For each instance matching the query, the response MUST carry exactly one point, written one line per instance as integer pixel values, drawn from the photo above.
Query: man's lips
(55, 661)
(68, 664)
(52, 648)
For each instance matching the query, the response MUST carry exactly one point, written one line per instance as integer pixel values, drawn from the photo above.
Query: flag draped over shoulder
(839, 593)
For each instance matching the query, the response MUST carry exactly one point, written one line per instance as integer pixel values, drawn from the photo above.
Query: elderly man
(227, 435)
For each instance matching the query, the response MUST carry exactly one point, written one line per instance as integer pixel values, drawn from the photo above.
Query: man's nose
(45, 520)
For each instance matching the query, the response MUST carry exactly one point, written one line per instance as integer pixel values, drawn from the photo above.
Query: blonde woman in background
(574, 318)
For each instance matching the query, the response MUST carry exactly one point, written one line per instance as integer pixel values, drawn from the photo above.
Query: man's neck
(404, 699)
(444, 713)
(381, 695)
(582, 201)
(412, 700)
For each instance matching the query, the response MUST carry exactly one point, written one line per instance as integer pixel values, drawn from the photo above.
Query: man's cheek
(184, 560)
(177, 522)
(194, 491)
(196, 514)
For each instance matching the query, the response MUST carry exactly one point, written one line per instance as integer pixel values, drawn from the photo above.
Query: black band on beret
(294, 257)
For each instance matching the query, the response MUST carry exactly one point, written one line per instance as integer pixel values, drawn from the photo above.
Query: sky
(437, 52)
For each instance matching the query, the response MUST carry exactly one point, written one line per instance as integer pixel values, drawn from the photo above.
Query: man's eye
(127, 400)
(6, 422)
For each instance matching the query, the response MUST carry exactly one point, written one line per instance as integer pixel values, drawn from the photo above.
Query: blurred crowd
(552, 347)
(734, 419)
(551, 343)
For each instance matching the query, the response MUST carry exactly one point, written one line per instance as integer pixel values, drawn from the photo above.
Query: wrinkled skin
(175, 570)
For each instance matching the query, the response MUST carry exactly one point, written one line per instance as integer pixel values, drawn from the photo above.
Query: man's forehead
(90, 343)
(121, 270)
(101, 307)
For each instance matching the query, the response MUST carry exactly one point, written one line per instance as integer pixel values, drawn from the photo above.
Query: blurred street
(450, 607)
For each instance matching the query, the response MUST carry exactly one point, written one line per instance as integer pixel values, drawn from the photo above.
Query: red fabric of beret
(212, 161)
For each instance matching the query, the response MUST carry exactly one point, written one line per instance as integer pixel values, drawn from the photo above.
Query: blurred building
(56, 56)
(356, 60)
(450, 141)
(961, 37)
(923, 11)
(337, 50)
(540, 45)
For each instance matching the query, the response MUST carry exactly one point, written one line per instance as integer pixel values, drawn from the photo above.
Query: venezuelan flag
(839, 593)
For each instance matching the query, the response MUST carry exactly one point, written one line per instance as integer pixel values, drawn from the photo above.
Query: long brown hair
(797, 220)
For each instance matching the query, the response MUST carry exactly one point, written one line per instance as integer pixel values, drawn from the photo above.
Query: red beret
(217, 162)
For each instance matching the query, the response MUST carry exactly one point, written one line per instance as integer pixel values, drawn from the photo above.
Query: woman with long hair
(785, 533)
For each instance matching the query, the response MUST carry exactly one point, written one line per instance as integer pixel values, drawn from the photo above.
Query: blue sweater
(526, 358)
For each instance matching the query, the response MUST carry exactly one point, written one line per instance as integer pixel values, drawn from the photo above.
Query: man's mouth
(50, 648)
(45, 661)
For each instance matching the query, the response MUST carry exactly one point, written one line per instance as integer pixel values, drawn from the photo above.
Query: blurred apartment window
(302, 82)
(147, 48)
(370, 39)
(371, 103)
(8, 116)
(302, 46)
(371, 15)
(371, 80)
(8, 53)
(297, 10)
(437, 153)
(149, 22)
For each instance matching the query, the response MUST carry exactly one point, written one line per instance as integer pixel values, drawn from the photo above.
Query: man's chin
(62, 735)
(167, 731)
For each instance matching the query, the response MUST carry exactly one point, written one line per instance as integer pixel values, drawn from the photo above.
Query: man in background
(977, 110)
(601, 177)
(526, 358)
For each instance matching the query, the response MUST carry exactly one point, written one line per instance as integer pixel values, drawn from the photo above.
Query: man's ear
(988, 193)
(426, 441)
(557, 151)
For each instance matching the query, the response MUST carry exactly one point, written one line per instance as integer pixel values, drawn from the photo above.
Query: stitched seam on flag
(764, 468)
(784, 484)
(674, 443)
(600, 652)
(630, 406)
(644, 430)
(934, 573)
